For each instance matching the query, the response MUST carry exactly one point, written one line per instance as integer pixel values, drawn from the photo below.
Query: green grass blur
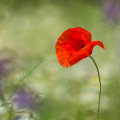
(30, 28)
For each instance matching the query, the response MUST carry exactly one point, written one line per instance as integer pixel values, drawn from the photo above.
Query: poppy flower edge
(74, 45)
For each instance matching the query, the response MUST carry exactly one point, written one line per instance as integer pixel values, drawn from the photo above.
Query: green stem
(23, 79)
(100, 87)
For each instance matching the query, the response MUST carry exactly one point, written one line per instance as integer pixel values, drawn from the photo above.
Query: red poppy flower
(74, 45)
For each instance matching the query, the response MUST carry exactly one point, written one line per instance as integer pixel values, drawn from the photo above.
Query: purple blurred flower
(23, 98)
(111, 10)
(18, 118)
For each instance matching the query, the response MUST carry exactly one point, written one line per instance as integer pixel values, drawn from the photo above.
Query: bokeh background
(33, 85)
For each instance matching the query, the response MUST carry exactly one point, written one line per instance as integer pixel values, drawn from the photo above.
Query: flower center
(76, 39)
(73, 46)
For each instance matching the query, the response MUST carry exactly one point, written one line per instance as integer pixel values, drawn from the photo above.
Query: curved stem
(100, 87)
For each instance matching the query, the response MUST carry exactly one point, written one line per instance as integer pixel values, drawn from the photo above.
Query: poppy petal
(85, 52)
(64, 36)
(86, 35)
(81, 32)
(75, 44)
(67, 60)
(62, 56)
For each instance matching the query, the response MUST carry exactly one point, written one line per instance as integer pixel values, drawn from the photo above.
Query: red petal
(67, 60)
(85, 52)
(94, 43)
(64, 36)
(62, 56)
(87, 35)
(84, 34)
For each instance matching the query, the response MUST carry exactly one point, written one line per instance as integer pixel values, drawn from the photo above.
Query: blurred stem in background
(100, 87)
(29, 72)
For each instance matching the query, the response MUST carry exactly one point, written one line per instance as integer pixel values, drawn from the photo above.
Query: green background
(30, 28)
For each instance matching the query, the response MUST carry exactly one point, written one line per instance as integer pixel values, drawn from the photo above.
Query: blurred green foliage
(30, 28)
